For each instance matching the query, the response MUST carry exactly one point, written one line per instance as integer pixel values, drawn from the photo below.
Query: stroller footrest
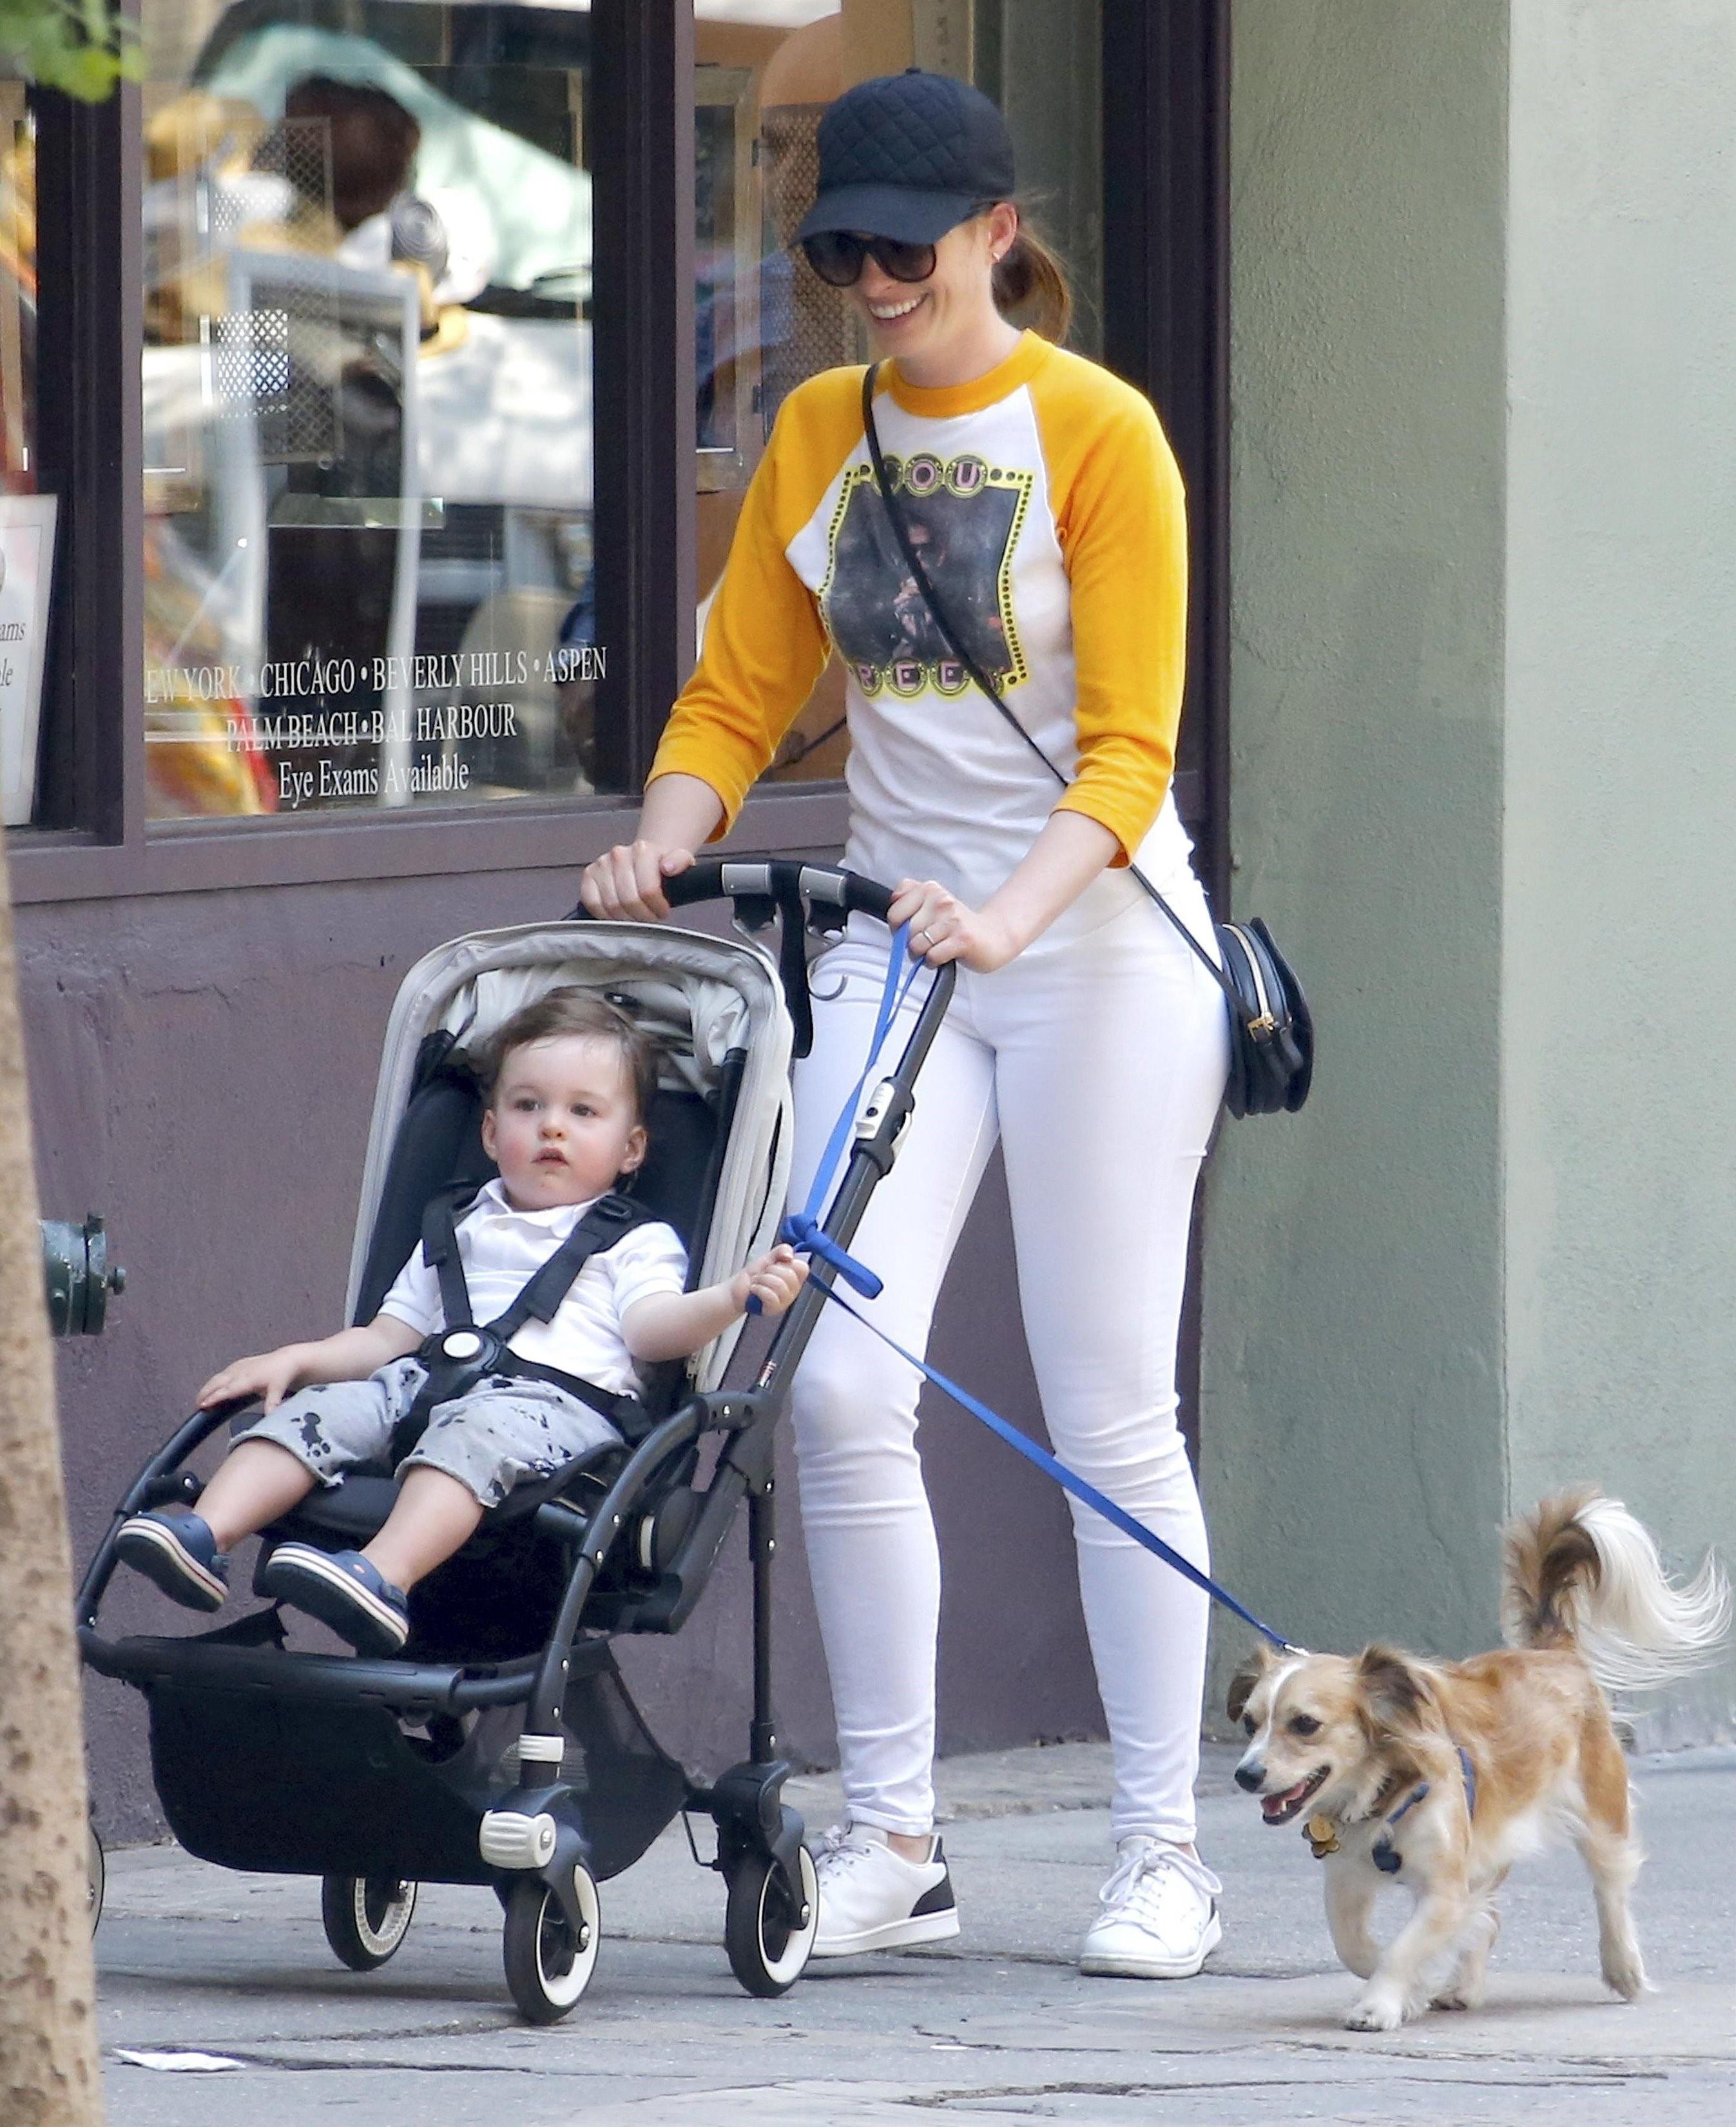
(509, 1839)
(218, 1663)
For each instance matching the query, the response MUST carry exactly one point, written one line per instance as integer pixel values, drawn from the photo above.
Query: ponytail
(1032, 278)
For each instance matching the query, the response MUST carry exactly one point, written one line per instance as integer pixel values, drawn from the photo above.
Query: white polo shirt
(502, 1249)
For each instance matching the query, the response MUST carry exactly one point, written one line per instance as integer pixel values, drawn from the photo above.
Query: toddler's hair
(572, 1011)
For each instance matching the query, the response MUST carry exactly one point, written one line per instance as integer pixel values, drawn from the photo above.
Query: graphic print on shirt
(963, 516)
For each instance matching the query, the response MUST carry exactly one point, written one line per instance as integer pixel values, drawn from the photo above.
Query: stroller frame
(541, 1845)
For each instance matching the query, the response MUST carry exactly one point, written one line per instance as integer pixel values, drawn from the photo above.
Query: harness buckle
(457, 1359)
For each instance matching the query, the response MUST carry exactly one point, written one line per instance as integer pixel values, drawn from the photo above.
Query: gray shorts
(502, 1432)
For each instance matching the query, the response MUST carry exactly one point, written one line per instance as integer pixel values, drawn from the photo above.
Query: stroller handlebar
(783, 890)
(777, 879)
(780, 881)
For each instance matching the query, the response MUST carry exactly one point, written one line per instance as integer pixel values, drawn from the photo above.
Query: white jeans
(1099, 1063)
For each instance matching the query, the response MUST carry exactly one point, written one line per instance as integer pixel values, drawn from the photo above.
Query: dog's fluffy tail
(1581, 1572)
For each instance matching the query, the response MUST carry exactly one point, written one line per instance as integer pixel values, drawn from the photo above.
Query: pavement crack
(1656, 2068)
(935, 2100)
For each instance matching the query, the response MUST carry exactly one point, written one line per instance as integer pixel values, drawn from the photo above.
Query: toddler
(571, 1081)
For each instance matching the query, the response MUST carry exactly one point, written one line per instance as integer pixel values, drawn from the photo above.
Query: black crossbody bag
(1271, 1031)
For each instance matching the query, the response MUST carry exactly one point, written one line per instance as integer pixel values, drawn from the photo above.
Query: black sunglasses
(837, 256)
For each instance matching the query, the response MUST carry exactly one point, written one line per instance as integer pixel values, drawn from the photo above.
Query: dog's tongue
(1274, 1806)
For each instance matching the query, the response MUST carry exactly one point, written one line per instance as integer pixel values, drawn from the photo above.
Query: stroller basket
(368, 1790)
(503, 1748)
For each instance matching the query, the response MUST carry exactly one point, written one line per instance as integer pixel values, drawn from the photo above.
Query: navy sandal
(342, 1589)
(180, 1554)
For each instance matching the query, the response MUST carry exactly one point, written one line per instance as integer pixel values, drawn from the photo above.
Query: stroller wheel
(367, 1917)
(98, 1868)
(767, 1934)
(548, 1966)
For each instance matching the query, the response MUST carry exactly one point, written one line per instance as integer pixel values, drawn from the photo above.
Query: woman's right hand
(626, 882)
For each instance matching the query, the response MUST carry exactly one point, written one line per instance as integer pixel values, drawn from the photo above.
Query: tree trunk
(48, 2071)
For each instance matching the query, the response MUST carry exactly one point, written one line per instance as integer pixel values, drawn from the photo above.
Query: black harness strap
(463, 1353)
(440, 1249)
(607, 1221)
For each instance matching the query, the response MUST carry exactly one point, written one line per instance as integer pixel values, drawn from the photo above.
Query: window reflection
(767, 70)
(367, 379)
(17, 290)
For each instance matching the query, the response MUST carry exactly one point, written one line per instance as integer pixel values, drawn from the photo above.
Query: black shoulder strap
(607, 1219)
(914, 563)
(440, 1247)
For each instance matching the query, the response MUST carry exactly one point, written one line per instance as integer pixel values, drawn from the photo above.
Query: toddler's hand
(269, 1375)
(773, 1281)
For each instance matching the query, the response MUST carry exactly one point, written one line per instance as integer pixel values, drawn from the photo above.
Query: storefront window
(27, 516)
(368, 535)
(767, 70)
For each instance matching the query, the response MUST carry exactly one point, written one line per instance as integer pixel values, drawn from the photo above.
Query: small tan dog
(1437, 1776)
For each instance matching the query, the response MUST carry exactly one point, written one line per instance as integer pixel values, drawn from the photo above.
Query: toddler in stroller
(466, 1414)
(497, 1745)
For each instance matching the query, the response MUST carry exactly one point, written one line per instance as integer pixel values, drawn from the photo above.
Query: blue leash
(803, 1229)
(1069, 1480)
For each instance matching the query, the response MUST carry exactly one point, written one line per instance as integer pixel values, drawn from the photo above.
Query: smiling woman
(980, 485)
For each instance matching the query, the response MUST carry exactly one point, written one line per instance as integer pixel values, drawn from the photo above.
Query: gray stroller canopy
(698, 996)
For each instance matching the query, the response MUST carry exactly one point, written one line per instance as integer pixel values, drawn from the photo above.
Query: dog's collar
(1384, 1854)
(1321, 1832)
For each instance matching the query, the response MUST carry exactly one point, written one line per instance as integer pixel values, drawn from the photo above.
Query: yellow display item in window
(201, 756)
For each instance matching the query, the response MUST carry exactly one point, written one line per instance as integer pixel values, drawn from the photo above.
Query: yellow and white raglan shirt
(1046, 504)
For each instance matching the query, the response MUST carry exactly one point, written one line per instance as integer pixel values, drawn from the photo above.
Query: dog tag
(1322, 1834)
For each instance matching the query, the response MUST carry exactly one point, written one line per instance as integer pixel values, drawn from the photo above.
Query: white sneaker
(872, 1898)
(1158, 1917)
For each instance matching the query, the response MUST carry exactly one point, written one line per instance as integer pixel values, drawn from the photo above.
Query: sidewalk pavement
(999, 2027)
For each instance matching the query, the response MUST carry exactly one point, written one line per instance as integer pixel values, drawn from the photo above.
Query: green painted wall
(1351, 1405)
(1483, 500)
(1620, 771)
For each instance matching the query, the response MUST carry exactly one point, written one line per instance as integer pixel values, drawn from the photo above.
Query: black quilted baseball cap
(909, 155)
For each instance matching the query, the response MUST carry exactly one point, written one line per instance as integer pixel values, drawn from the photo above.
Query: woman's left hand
(944, 928)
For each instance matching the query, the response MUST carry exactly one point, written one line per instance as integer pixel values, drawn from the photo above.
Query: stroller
(501, 1748)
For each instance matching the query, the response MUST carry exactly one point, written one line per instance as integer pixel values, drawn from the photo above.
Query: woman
(1084, 1033)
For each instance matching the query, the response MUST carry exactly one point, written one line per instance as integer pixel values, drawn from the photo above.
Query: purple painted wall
(203, 1068)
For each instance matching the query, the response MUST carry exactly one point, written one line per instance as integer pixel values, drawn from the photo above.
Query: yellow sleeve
(1121, 519)
(765, 644)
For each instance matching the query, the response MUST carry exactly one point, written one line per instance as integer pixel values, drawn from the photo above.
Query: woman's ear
(1003, 226)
